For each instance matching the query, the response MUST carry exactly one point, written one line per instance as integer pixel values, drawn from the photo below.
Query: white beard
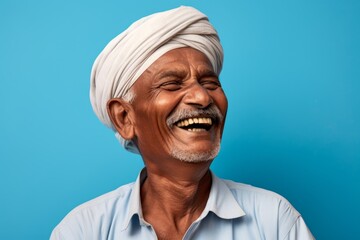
(195, 157)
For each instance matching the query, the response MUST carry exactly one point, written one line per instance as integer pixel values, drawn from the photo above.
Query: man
(156, 85)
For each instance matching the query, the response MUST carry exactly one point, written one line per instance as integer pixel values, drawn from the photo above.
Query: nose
(198, 96)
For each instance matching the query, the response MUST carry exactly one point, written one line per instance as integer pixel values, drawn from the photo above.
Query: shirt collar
(134, 206)
(221, 201)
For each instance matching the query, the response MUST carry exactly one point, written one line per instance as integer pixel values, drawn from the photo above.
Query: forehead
(181, 55)
(181, 59)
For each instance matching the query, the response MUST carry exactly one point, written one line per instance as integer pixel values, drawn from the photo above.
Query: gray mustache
(211, 112)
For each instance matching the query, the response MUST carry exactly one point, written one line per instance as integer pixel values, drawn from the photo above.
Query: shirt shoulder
(250, 190)
(91, 219)
(105, 200)
(269, 210)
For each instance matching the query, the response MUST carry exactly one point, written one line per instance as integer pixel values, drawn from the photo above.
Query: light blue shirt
(233, 211)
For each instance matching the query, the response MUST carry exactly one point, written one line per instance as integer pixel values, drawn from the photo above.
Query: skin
(175, 192)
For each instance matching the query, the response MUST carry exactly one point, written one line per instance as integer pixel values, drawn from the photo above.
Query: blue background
(291, 74)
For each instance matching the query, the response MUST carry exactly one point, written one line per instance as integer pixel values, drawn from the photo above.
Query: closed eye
(210, 84)
(171, 85)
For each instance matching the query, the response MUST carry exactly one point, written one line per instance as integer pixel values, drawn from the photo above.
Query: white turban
(129, 54)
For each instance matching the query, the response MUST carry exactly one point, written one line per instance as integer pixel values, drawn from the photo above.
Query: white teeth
(196, 130)
(189, 121)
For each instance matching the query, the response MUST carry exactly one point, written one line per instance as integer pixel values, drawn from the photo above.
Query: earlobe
(119, 113)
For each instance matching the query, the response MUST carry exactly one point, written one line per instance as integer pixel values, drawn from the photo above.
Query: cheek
(154, 114)
(167, 100)
(221, 101)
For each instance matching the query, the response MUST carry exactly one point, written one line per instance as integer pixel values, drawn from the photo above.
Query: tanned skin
(175, 192)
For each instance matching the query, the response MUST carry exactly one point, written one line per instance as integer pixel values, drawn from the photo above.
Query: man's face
(179, 108)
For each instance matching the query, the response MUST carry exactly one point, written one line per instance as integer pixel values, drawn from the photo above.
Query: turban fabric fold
(129, 54)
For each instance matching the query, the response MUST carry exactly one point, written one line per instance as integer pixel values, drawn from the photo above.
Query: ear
(120, 114)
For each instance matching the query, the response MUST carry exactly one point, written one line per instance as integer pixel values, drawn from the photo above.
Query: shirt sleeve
(56, 235)
(66, 230)
(299, 231)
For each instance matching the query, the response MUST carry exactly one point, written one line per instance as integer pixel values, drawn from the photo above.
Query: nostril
(199, 96)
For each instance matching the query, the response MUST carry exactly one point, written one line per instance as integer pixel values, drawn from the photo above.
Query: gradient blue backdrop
(291, 74)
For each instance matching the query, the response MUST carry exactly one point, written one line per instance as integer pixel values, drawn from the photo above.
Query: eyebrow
(206, 73)
(172, 73)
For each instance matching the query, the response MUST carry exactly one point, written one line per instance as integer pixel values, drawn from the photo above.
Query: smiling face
(179, 108)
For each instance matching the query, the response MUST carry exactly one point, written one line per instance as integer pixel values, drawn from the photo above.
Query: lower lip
(197, 130)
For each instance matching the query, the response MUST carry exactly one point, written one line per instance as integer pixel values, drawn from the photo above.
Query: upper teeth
(187, 122)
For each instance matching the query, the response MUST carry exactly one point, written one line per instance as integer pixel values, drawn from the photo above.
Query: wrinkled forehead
(178, 62)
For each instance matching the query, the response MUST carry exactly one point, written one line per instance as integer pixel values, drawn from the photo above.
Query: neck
(178, 198)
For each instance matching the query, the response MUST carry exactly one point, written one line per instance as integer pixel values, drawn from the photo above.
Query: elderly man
(156, 85)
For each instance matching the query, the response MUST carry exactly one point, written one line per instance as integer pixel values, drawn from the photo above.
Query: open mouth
(195, 124)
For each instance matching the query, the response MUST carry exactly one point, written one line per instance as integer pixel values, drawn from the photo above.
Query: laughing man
(156, 85)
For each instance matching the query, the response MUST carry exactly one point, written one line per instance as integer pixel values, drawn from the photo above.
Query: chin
(195, 156)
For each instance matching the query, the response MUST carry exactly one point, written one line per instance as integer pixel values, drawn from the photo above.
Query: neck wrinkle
(178, 200)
